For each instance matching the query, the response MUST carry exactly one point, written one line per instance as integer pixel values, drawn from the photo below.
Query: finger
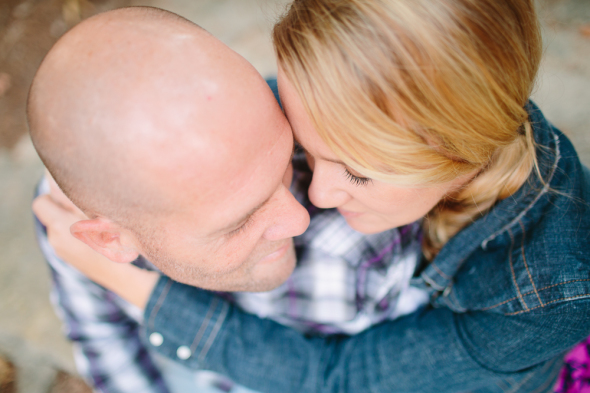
(51, 213)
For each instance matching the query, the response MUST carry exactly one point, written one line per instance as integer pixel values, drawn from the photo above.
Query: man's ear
(107, 238)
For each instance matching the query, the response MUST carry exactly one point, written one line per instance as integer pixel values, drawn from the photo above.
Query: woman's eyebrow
(297, 144)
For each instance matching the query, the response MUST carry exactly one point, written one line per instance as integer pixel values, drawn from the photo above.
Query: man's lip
(279, 253)
(349, 214)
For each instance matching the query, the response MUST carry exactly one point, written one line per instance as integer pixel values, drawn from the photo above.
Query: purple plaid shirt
(103, 328)
(344, 282)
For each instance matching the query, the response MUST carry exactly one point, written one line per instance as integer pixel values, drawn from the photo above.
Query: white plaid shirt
(103, 328)
(344, 282)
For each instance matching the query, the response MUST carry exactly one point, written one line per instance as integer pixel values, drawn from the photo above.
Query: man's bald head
(127, 91)
(173, 145)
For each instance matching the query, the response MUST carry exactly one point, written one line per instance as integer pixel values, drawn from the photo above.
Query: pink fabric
(575, 374)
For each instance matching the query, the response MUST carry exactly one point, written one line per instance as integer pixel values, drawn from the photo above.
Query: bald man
(186, 185)
(146, 123)
(175, 149)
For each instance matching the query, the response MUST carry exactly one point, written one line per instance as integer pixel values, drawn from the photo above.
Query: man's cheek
(229, 257)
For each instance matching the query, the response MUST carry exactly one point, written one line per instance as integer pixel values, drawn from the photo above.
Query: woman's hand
(58, 214)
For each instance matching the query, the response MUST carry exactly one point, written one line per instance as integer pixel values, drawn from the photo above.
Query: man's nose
(289, 218)
(324, 190)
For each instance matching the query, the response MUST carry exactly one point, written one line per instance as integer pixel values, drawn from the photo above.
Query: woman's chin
(362, 225)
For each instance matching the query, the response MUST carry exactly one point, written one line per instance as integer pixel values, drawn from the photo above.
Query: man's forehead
(226, 178)
(246, 185)
(193, 135)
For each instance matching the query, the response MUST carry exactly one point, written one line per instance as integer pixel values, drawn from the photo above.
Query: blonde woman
(412, 109)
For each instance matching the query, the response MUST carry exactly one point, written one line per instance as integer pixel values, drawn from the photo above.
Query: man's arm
(108, 351)
(434, 350)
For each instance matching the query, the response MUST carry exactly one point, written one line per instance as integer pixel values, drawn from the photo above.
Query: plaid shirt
(103, 328)
(343, 283)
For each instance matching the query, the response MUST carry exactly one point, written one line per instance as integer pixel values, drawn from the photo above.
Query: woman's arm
(57, 213)
(434, 350)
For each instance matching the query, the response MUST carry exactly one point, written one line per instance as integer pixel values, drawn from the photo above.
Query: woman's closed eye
(356, 180)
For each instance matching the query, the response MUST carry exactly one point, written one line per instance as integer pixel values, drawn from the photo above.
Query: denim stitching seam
(550, 379)
(159, 303)
(440, 272)
(561, 283)
(526, 265)
(201, 332)
(532, 374)
(503, 385)
(432, 283)
(553, 301)
(512, 270)
(543, 192)
(499, 304)
(529, 292)
(216, 327)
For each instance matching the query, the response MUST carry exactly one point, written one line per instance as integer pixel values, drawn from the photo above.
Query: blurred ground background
(34, 358)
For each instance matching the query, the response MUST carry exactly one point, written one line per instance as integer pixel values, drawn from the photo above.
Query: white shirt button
(156, 339)
(183, 352)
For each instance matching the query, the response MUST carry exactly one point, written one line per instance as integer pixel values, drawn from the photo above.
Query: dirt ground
(33, 354)
(28, 28)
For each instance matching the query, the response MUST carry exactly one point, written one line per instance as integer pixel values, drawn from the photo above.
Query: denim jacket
(509, 295)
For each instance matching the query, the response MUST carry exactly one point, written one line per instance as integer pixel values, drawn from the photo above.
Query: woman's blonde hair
(420, 92)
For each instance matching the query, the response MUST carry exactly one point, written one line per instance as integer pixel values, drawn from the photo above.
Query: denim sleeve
(432, 350)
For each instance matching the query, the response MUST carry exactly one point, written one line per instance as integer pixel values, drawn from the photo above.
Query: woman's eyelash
(356, 180)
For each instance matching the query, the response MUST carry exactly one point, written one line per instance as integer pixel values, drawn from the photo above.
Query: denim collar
(505, 215)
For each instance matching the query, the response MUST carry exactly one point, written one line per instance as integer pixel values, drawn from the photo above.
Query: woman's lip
(348, 214)
(279, 253)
